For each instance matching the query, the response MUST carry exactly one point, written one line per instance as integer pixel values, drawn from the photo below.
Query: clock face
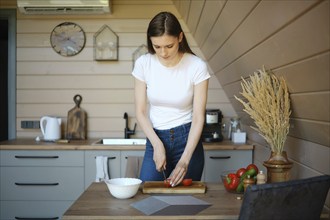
(68, 39)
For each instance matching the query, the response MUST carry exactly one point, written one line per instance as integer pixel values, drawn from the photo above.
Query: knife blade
(164, 174)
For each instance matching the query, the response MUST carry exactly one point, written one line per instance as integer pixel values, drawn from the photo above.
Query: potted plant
(267, 101)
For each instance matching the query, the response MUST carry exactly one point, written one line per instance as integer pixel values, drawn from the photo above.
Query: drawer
(41, 158)
(41, 183)
(33, 209)
(218, 161)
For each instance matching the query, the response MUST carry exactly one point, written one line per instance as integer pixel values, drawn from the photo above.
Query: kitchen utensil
(165, 178)
(235, 126)
(77, 121)
(123, 188)
(159, 187)
(50, 128)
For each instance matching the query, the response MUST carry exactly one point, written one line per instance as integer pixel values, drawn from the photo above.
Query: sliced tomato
(167, 183)
(186, 182)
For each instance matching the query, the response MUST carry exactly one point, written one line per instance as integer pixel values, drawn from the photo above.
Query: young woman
(174, 82)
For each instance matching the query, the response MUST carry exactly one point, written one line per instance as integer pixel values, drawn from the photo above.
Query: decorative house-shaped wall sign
(105, 44)
(141, 50)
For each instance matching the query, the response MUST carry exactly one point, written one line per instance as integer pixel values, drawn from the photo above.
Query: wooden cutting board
(159, 187)
(77, 121)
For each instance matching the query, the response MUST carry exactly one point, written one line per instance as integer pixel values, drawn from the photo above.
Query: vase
(278, 167)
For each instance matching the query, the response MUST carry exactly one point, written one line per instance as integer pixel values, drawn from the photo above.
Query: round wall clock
(68, 39)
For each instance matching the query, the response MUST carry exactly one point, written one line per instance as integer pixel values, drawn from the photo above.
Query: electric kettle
(51, 128)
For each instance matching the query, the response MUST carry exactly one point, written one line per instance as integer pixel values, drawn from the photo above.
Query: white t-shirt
(170, 90)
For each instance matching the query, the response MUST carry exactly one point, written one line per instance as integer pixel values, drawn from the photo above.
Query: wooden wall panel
(75, 82)
(65, 96)
(285, 46)
(311, 106)
(195, 14)
(8, 4)
(230, 18)
(95, 110)
(301, 75)
(256, 28)
(184, 8)
(208, 17)
(73, 67)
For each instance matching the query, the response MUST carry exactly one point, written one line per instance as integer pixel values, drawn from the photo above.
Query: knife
(164, 174)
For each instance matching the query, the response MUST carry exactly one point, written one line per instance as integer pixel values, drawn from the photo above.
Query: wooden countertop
(97, 203)
(30, 144)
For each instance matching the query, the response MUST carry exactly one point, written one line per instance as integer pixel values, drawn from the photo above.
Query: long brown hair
(166, 23)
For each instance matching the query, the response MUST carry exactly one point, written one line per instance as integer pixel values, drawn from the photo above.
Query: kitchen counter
(97, 203)
(30, 144)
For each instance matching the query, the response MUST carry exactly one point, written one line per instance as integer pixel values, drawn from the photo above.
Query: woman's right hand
(160, 157)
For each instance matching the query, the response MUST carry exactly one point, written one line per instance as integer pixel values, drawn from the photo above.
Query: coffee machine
(212, 126)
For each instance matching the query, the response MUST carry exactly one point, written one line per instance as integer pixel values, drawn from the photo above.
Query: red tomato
(167, 183)
(252, 166)
(187, 182)
(240, 172)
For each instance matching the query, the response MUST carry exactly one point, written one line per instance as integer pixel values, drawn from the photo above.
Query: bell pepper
(231, 181)
(240, 187)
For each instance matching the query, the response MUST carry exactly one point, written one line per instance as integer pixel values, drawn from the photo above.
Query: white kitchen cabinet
(125, 155)
(217, 161)
(90, 164)
(39, 184)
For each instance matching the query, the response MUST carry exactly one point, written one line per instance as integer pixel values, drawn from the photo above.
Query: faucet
(127, 131)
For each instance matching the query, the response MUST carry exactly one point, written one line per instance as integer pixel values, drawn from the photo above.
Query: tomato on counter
(167, 183)
(186, 182)
(240, 172)
(252, 166)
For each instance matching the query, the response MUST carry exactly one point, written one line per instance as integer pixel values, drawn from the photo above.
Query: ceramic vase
(278, 167)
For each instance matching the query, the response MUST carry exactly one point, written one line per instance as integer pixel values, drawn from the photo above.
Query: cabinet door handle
(30, 218)
(110, 158)
(36, 184)
(36, 157)
(220, 157)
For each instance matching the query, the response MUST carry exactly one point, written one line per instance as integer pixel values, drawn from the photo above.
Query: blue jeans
(174, 140)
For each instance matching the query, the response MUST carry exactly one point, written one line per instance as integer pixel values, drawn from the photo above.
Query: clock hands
(68, 39)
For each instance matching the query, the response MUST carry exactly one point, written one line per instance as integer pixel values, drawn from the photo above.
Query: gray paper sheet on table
(171, 205)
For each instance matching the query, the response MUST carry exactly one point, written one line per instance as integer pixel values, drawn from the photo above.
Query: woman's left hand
(179, 173)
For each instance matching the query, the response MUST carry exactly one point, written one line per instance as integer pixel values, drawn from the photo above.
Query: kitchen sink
(120, 141)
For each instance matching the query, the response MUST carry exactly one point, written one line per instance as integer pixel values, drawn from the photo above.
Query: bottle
(261, 178)
(248, 181)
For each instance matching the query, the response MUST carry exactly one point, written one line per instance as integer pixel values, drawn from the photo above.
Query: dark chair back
(296, 199)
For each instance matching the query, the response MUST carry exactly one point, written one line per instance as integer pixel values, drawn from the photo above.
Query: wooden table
(97, 203)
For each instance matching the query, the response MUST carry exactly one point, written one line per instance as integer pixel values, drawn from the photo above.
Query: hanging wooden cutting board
(77, 121)
(159, 187)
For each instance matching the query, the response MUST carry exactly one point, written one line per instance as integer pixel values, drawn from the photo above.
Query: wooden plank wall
(47, 82)
(291, 38)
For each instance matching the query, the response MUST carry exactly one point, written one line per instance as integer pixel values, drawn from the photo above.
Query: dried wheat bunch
(268, 104)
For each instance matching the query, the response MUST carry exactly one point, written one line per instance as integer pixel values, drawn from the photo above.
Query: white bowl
(123, 188)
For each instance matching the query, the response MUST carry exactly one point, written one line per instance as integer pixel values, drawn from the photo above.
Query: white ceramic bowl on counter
(123, 188)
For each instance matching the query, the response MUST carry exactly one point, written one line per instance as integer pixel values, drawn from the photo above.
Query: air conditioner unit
(45, 7)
